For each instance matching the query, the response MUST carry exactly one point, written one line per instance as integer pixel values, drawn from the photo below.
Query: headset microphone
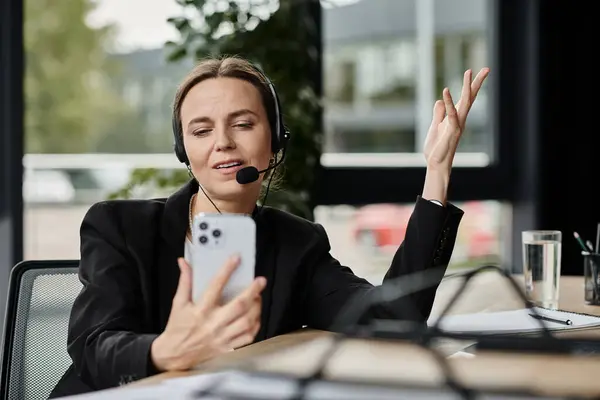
(250, 174)
(247, 175)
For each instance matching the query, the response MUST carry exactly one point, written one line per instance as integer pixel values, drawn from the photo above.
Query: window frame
(11, 142)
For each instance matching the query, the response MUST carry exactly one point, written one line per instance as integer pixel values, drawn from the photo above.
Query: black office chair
(34, 348)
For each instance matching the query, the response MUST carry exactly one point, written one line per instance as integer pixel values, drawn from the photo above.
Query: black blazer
(129, 251)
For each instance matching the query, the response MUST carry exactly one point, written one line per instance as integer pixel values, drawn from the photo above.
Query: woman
(134, 316)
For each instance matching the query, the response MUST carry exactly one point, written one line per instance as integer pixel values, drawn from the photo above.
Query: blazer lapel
(266, 251)
(173, 228)
(279, 257)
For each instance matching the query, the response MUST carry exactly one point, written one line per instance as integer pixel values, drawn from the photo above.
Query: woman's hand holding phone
(200, 331)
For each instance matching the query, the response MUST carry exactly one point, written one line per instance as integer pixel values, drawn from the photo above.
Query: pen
(598, 238)
(583, 247)
(558, 321)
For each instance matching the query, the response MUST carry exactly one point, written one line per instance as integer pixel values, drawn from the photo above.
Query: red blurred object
(382, 227)
(480, 244)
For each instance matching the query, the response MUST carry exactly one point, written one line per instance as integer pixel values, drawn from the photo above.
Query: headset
(280, 135)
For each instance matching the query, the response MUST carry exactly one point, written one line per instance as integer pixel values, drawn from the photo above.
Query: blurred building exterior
(370, 73)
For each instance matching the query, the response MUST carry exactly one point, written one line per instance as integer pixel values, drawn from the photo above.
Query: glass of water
(541, 266)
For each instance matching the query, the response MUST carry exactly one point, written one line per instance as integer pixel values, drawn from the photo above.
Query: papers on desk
(184, 388)
(213, 386)
(248, 385)
(515, 321)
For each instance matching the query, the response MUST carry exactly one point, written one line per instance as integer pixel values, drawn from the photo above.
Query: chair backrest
(34, 349)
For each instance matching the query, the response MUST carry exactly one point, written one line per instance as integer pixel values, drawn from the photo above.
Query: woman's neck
(201, 203)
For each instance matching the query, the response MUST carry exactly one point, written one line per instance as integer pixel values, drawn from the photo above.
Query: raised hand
(445, 131)
(199, 331)
(448, 123)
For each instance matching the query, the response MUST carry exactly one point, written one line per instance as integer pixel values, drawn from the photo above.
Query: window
(375, 63)
(403, 54)
(98, 78)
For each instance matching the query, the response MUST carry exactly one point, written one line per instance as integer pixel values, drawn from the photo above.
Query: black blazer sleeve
(106, 338)
(428, 243)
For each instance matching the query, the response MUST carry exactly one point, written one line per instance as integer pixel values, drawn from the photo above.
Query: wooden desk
(388, 361)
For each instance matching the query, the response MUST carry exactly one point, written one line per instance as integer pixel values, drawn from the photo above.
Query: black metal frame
(11, 117)
(14, 289)
(11, 140)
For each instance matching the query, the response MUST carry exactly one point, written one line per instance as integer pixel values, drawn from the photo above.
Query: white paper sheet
(516, 321)
(172, 389)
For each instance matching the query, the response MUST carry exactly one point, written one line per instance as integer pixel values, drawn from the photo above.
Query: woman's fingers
(451, 113)
(474, 87)
(240, 305)
(242, 340)
(183, 295)
(247, 335)
(478, 82)
(245, 324)
(465, 98)
(439, 112)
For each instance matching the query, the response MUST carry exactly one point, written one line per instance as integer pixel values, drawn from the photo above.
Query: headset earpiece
(178, 146)
(280, 140)
(280, 135)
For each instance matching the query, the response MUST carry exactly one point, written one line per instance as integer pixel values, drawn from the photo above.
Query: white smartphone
(216, 237)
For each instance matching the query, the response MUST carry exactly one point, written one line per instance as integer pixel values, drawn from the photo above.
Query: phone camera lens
(216, 233)
(203, 226)
(203, 239)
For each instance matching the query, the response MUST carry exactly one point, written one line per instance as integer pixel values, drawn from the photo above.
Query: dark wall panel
(11, 142)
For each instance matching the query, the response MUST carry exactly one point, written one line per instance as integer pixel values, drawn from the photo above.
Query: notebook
(515, 321)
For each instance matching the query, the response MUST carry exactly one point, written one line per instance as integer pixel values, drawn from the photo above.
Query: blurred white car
(47, 186)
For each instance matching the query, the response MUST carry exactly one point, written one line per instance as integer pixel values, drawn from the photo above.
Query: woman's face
(225, 128)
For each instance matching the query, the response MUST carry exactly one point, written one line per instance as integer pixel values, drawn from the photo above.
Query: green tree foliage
(69, 103)
(283, 39)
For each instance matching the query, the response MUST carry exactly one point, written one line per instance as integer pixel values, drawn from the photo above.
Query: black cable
(202, 189)
(264, 200)
(393, 289)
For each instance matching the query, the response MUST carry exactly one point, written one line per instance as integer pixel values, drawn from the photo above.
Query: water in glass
(541, 267)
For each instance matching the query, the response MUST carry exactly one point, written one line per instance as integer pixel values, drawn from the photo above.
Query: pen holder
(591, 273)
